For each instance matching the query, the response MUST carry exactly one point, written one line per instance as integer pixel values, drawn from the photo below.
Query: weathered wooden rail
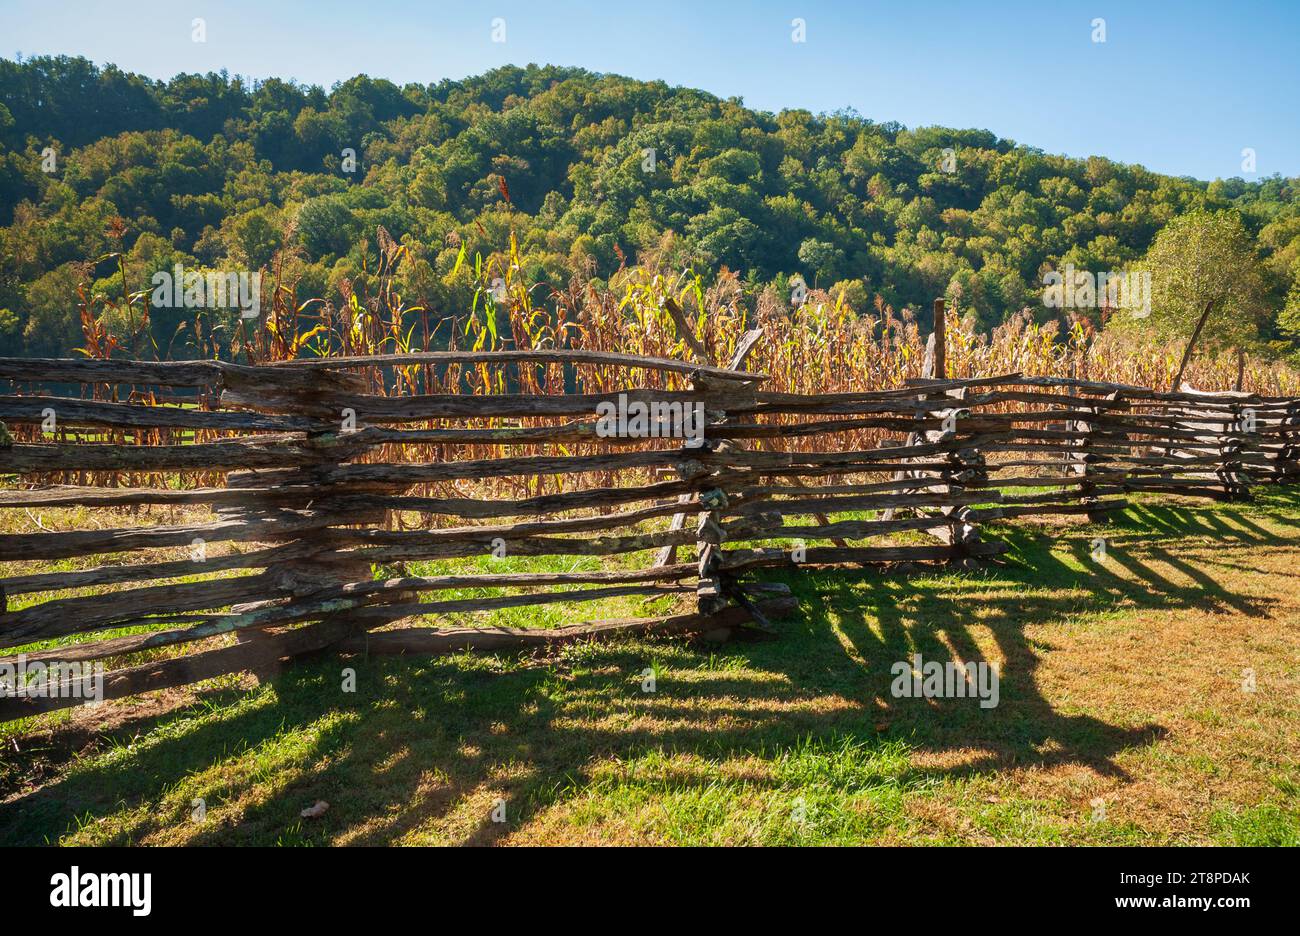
(313, 472)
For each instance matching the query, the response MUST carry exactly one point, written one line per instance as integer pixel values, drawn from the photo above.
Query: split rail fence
(313, 472)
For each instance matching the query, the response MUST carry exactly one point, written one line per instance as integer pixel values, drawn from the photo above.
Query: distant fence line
(313, 520)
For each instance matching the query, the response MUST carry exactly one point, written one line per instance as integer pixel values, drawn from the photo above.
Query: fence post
(940, 371)
(1231, 470)
(1288, 455)
(715, 587)
(963, 464)
(1080, 454)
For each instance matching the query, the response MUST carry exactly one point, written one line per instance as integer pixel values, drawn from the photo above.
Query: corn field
(818, 346)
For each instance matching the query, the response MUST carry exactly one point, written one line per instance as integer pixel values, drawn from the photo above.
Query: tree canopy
(590, 171)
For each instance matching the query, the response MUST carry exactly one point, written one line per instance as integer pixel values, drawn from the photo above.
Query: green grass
(1121, 685)
(557, 614)
(1269, 824)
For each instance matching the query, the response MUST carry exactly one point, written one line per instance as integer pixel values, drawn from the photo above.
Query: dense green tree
(326, 225)
(589, 171)
(1202, 258)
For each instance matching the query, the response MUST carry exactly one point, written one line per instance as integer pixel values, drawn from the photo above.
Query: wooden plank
(429, 640)
(66, 495)
(79, 615)
(424, 472)
(413, 547)
(819, 506)
(736, 561)
(373, 409)
(842, 529)
(256, 452)
(85, 370)
(361, 607)
(540, 356)
(30, 410)
(66, 544)
(485, 535)
(142, 571)
(342, 498)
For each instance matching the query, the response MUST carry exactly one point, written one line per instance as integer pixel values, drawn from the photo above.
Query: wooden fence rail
(314, 476)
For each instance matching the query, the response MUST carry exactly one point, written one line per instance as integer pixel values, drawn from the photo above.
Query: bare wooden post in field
(940, 334)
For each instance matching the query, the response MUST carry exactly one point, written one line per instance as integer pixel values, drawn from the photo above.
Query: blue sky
(1180, 87)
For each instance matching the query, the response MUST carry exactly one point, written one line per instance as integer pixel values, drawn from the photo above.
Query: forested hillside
(590, 172)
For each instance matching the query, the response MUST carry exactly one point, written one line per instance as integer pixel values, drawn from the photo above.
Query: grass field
(1125, 717)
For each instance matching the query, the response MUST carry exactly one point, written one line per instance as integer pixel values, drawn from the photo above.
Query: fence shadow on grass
(439, 740)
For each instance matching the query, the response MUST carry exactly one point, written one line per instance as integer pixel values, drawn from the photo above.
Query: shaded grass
(1122, 719)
